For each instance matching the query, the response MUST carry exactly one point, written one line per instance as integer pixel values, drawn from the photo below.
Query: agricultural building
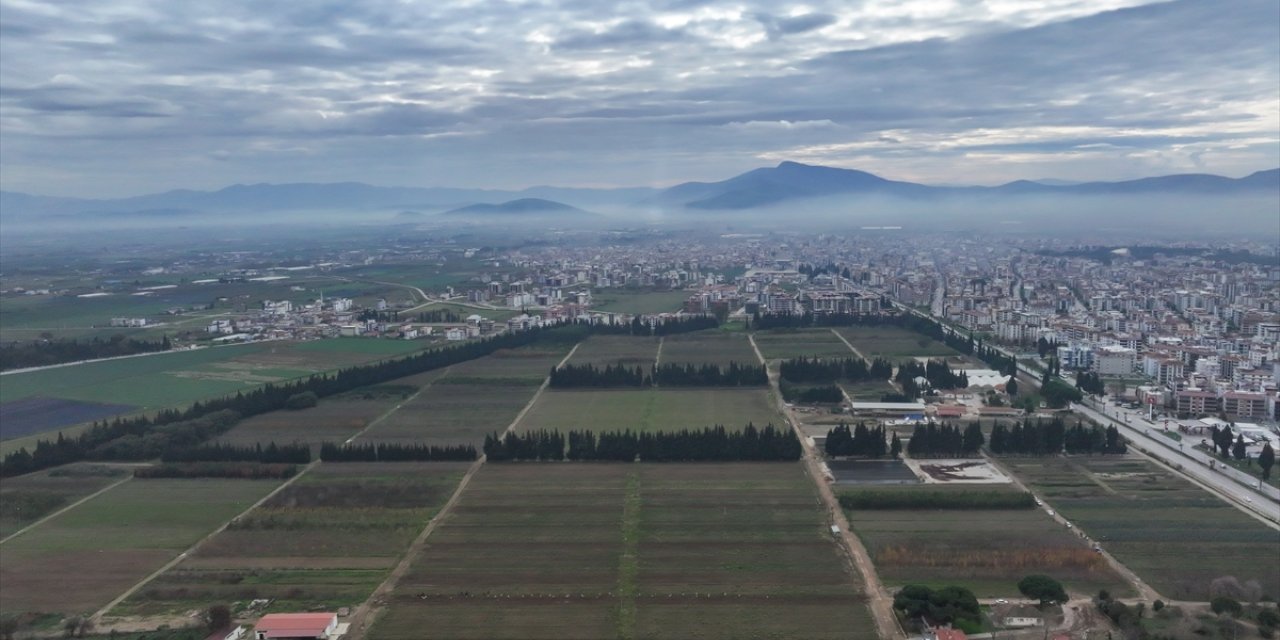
(311, 626)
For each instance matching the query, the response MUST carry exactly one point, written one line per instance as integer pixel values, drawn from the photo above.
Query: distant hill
(792, 180)
(522, 206)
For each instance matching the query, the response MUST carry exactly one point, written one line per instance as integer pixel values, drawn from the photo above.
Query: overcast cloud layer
(117, 97)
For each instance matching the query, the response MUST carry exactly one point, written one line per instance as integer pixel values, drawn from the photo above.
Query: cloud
(575, 91)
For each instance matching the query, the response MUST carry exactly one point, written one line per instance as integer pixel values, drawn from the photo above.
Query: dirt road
(879, 602)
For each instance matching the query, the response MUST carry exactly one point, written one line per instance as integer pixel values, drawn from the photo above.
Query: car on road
(1049, 511)
(1002, 601)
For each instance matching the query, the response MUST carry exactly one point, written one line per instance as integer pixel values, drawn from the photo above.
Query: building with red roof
(297, 625)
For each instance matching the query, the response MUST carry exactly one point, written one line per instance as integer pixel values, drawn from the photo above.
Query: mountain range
(787, 182)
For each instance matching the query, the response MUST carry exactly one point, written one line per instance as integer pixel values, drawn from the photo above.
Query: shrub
(304, 400)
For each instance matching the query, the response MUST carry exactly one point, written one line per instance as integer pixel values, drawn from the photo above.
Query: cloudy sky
(120, 97)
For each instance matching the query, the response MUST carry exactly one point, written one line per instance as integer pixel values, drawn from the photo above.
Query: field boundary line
(363, 617)
(850, 345)
(67, 508)
(878, 602)
(387, 414)
(100, 613)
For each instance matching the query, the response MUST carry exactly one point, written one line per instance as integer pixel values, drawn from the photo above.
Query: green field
(637, 302)
(708, 347)
(80, 560)
(595, 551)
(777, 344)
(324, 542)
(986, 551)
(25, 499)
(629, 351)
(894, 343)
(334, 419)
(1176, 536)
(651, 409)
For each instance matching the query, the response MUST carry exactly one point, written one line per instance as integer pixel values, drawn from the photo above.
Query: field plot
(614, 350)
(651, 409)
(595, 551)
(37, 414)
(1176, 536)
(526, 365)
(985, 550)
(334, 419)
(855, 472)
(708, 347)
(78, 561)
(326, 541)
(894, 343)
(776, 344)
(634, 302)
(867, 391)
(28, 498)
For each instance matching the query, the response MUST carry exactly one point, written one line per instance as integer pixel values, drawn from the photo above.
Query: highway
(1240, 489)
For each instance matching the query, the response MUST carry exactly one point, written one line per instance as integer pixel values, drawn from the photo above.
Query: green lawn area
(630, 351)
(708, 347)
(370, 346)
(894, 343)
(635, 302)
(651, 409)
(83, 558)
(143, 380)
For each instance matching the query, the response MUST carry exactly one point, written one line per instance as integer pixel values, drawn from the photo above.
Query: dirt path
(850, 345)
(1145, 592)
(657, 359)
(386, 414)
(878, 601)
(366, 614)
(66, 508)
(97, 617)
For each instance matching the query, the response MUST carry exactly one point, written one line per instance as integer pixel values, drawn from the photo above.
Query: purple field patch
(37, 415)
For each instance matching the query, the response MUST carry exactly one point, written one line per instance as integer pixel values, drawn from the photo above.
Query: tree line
(937, 372)
(1052, 437)
(810, 370)
(575, 376)
(572, 376)
(42, 353)
(860, 441)
(824, 394)
(384, 452)
(945, 440)
(144, 437)
(653, 326)
(272, 453)
(708, 444)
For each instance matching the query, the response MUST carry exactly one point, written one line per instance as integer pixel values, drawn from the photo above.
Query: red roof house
(296, 625)
(949, 634)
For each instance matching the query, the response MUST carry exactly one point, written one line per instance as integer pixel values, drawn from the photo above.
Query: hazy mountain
(522, 206)
(791, 180)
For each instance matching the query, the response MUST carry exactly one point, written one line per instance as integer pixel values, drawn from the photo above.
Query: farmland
(894, 343)
(28, 498)
(777, 344)
(35, 414)
(708, 347)
(987, 551)
(326, 541)
(617, 350)
(616, 550)
(651, 409)
(1174, 535)
(79, 560)
(176, 378)
(334, 419)
(624, 301)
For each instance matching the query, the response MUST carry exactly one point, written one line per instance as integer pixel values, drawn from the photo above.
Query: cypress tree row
(860, 441)
(819, 370)
(709, 444)
(1041, 438)
(330, 452)
(710, 375)
(945, 440)
(572, 376)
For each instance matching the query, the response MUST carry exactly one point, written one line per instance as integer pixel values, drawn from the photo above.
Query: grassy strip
(628, 562)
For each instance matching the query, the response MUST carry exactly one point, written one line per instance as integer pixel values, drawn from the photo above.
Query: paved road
(1191, 464)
